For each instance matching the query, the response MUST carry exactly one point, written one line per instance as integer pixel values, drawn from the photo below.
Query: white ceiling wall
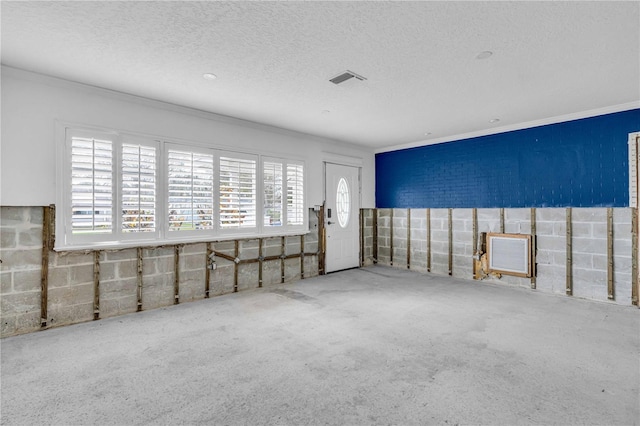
(273, 60)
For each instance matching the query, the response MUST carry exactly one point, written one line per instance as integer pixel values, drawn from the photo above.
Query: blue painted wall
(579, 163)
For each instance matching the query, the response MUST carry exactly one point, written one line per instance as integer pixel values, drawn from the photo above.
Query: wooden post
(96, 285)
(474, 240)
(450, 220)
(302, 257)
(44, 273)
(236, 265)
(610, 284)
(534, 248)
(375, 236)
(322, 242)
(207, 273)
(408, 238)
(502, 220)
(569, 277)
(282, 256)
(391, 237)
(176, 274)
(139, 276)
(260, 260)
(361, 239)
(428, 240)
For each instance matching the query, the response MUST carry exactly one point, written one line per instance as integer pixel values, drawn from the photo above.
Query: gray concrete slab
(369, 346)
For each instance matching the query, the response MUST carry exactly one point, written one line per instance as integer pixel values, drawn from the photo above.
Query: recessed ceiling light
(484, 55)
(209, 76)
(494, 120)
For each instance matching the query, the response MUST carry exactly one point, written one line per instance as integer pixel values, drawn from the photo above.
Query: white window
(272, 188)
(138, 185)
(283, 187)
(191, 190)
(295, 194)
(237, 193)
(91, 185)
(122, 190)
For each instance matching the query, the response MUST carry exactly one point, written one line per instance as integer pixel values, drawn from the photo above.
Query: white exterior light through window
(343, 203)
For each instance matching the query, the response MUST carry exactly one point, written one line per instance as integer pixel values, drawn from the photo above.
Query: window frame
(186, 234)
(285, 162)
(116, 239)
(258, 188)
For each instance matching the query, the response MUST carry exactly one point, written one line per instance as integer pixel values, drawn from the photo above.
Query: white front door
(341, 217)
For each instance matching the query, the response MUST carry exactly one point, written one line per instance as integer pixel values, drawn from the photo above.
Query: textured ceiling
(273, 60)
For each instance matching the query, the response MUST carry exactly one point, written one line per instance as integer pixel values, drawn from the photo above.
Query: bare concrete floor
(370, 346)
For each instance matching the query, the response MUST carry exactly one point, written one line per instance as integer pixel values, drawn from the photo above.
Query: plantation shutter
(272, 185)
(91, 185)
(191, 180)
(295, 194)
(237, 193)
(138, 188)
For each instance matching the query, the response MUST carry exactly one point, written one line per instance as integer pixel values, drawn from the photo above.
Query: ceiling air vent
(346, 76)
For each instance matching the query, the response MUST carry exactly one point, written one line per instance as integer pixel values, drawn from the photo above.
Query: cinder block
(583, 260)
(20, 303)
(67, 296)
(115, 289)
(271, 274)
(194, 248)
(26, 323)
(544, 228)
(30, 237)
(34, 215)
(12, 216)
(58, 277)
(589, 245)
(622, 247)
(190, 262)
(440, 236)
(132, 253)
(63, 315)
(463, 237)
(108, 271)
(7, 325)
(311, 266)
(80, 274)
(66, 258)
(588, 276)
(591, 214)
(553, 243)
(26, 280)
(621, 264)
(583, 230)
(600, 262)
(6, 282)
(13, 260)
(192, 285)
(551, 214)
(8, 238)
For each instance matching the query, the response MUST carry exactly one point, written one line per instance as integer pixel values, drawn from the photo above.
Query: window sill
(120, 245)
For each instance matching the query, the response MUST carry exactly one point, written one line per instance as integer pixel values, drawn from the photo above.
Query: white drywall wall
(32, 104)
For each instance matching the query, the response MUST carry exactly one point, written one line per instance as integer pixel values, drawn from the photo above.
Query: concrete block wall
(589, 245)
(440, 241)
(21, 254)
(418, 225)
(384, 236)
(71, 281)
(367, 236)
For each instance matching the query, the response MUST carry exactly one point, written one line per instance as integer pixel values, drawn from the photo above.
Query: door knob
(329, 223)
